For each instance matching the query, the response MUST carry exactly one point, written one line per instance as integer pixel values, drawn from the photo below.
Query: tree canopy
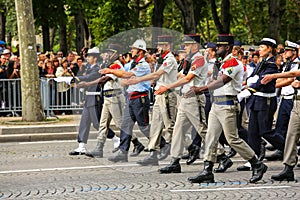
(70, 24)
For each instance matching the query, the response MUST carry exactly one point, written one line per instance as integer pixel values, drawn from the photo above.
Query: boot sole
(204, 181)
(170, 172)
(283, 179)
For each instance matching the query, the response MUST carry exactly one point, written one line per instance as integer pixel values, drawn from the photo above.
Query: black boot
(287, 174)
(149, 160)
(224, 164)
(97, 152)
(119, 156)
(262, 154)
(194, 154)
(206, 176)
(173, 167)
(187, 156)
(231, 153)
(258, 169)
(138, 148)
(277, 155)
(164, 152)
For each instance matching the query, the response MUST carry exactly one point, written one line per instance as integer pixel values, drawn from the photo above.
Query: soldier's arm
(281, 82)
(148, 77)
(269, 77)
(118, 73)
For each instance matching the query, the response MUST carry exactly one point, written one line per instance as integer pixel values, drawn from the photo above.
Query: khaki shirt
(169, 65)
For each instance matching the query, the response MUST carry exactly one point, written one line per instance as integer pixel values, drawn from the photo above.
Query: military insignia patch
(229, 70)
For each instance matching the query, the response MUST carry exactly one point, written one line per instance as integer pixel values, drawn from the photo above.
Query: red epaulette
(230, 63)
(198, 62)
(115, 66)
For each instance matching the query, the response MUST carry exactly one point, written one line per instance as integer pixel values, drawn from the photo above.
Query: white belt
(93, 93)
(261, 94)
(291, 96)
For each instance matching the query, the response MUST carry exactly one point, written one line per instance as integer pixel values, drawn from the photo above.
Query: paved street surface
(44, 170)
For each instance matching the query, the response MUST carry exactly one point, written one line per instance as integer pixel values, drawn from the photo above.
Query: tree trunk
(46, 37)
(31, 96)
(274, 24)
(225, 13)
(158, 18)
(52, 36)
(224, 26)
(63, 38)
(187, 10)
(79, 21)
(3, 22)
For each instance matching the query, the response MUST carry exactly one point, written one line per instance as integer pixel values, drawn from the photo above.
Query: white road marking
(53, 141)
(67, 168)
(85, 167)
(235, 188)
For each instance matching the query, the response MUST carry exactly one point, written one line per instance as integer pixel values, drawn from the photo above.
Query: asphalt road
(44, 170)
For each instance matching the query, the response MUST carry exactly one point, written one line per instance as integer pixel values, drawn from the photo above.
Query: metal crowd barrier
(52, 101)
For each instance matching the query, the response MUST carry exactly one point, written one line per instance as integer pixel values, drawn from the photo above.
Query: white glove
(252, 80)
(64, 79)
(243, 94)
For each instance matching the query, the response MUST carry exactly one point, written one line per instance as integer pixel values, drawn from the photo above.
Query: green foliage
(105, 18)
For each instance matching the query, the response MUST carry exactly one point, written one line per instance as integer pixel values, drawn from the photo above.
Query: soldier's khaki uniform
(223, 116)
(113, 105)
(293, 134)
(164, 108)
(189, 109)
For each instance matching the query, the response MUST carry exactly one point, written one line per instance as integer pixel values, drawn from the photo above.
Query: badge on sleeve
(229, 70)
(165, 64)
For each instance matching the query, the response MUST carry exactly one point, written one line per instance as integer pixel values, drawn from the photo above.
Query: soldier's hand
(161, 90)
(196, 90)
(82, 85)
(133, 80)
(105, 71)
(296, 84)
(267, 78)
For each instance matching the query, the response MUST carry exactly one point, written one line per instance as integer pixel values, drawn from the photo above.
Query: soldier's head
(164, 43)
(113, 51)
(191, 43)
(225, 44)
(93, 55)
(290, 49)
(138, 48)
(267, 47)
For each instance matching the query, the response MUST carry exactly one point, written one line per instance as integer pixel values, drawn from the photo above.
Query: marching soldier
(92, 106)
(137, 104)
(164, 108)
(113, 104)
(223, 114)
(187, 115)
(286, 102)
(293, 133)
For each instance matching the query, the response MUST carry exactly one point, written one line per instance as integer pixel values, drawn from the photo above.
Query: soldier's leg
(104, 123)
(230, 130)
(157, 124)
(85, 124)
(292, 137)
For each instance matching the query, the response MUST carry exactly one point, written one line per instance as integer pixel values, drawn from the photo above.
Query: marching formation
(211, 98)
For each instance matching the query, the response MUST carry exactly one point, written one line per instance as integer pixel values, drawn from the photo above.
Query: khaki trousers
(292, 136)
(112, 110)
(223, 117)
(161, 119)
(187, 116)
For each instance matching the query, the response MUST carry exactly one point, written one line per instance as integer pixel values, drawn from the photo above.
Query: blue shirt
(142, 68)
